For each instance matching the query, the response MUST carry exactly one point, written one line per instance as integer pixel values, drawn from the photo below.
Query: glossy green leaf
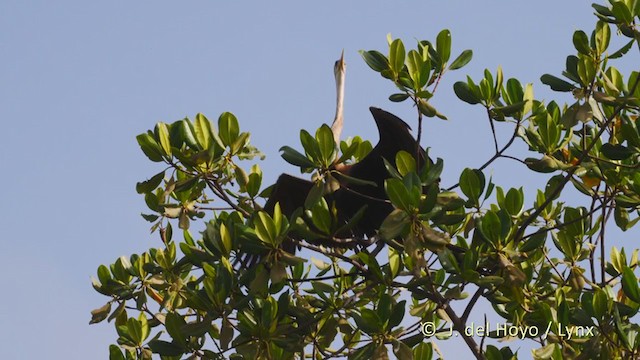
(630, 285)
(326, 144)
(533, 243)
(265, 228)
(376, 60)
(115, 353)
(228, 128)
(464, 93)
(150, 147)
(368, 321)
(621, 12)
(405, 163)
(293, 157)
(463, 59)
(556, 84)
(398, 194)
(150, 184)
(602, 35)
(398, 97)
(490, 227)
(396, 55)
(581, 42)
(187, 133)
(320, 216)
(202, 127)
(443, 45)
(162, 132)
(600, 303)
(423, 351)
(472, 184)
(514, 201)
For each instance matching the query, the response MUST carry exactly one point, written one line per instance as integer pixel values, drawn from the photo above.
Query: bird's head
(340, 66)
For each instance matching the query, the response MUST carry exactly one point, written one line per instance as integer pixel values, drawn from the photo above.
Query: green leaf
(443, 45)
(616, 152)
(253, 186)
(622, 12)
(165, 348)
(581, 42)
(490, 227)
(150, 147)
(464, 93)
(472, 183)
(368, 321)
(135, 330)
(202, 127)
(602, 37)
(376, 60)
(405, 163)
(115, 353)
(228, 128)
(395, 261)
(293, 157)
(630, 285)
(423, 351)
(398, 194)
(534, 242)
(186, 132)
(398, 97)
(265, 228)
(463, 59)
(556, 84)
(326, 144)
(162, 132)
(384, 307)
(314, 195)
(151, 184)
(320, 216)
(396, 55)
(600, 303)
(310, 145)
(514, 201)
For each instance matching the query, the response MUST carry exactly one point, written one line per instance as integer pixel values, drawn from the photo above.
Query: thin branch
(471, 304)
(498, 154)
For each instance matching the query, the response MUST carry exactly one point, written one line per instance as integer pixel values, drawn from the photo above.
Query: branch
(498, 154)
(471, 304)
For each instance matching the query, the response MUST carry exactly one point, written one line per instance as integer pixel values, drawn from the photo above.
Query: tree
(545, 267)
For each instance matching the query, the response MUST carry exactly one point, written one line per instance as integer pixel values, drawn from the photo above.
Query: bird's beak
(341, 60)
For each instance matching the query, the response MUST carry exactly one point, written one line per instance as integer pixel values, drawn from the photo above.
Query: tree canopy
(546, 267)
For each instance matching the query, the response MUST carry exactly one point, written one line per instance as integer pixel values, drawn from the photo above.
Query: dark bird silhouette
(350, 197)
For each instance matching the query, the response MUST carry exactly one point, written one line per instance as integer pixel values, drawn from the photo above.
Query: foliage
(542, 266)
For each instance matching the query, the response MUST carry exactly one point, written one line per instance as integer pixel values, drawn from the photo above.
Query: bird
(350, 197)
(290, 191)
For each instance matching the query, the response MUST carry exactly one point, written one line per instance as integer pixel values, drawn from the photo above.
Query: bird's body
(291, 191)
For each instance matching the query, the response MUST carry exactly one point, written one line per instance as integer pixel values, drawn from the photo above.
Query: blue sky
(79, 79)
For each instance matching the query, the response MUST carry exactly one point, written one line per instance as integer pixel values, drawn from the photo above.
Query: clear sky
(80, 79)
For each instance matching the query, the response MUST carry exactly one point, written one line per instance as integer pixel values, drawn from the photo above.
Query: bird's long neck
(336, 127)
